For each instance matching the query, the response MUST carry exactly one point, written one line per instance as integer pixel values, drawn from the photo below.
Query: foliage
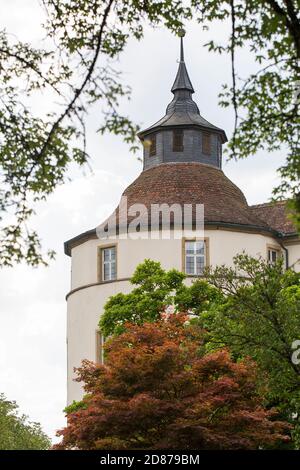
(252, 308)
(197, 298)
(76, 68)
(157, 391)
(157, 289)
(266, 103)
(260, 319)
(74, 406)
(16, 433)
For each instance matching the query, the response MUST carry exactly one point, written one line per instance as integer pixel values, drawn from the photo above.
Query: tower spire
(181, 113)
(182, 80)
(181, 49)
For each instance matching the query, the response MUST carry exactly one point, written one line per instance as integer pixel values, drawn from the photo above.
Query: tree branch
(232, 50)
(291, 20)
(79, 91)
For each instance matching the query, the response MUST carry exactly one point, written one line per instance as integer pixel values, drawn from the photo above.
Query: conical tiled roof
(196, 183)
(192, 183)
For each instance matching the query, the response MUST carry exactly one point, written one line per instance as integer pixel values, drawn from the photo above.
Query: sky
(32, 300)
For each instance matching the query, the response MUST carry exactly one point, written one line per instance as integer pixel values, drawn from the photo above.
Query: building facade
(182, 165)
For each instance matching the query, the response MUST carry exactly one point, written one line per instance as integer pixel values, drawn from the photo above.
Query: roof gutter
(92, 234)
(286, 254)
(167, 127)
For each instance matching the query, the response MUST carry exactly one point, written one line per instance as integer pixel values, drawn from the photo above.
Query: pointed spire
(182, 112)
(182, 80)
(181, 49)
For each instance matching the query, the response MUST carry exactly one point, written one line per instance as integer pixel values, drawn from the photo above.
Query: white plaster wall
(84, 310)
(294, 256)
(223, 245)
(86, 305)
(84, 264)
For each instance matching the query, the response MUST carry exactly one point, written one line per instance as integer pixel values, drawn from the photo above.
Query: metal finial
(181, 34)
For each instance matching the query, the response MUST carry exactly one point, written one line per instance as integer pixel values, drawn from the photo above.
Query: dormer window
(178, 140)
(206, 143)
(152, 150)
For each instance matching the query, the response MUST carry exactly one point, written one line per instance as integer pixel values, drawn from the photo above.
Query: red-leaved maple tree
(158, 390)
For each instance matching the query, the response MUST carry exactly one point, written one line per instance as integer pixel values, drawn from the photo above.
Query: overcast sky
(33, 307)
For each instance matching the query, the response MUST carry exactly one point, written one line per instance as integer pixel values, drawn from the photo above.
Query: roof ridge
(271, 203)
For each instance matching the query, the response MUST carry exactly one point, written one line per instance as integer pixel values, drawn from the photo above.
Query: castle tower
(183, 135)
(182, 164)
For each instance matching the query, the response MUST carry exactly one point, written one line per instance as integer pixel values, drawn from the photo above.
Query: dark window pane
(190, 248)
(113, 270)
(206, 143)
(152, 150)
(200, 264)
(272, 256)
(106, 254)
(178, 140)
(109, 263)
(106, 272)
(190, 265)
(200, 248)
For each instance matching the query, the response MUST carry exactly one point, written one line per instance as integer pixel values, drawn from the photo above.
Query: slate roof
(183, 118)
(182, 80)
(182, 111)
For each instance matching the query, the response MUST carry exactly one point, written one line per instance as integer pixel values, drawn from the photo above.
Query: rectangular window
(99, 347)
(272, 255)
(206, 143)
(178, 140)
(109, 263)
(194, 257)
(152, 150)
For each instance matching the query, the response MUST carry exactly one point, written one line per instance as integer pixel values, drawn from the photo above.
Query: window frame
(178, 147)
(101, 249)
(206, 144)
(184, 256)
(152, 149)
(273, 249)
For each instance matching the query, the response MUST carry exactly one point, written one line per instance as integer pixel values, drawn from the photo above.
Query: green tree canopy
(156, 290)
(252, 308)
(16, 432)
(76, 67)
(261, 319)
